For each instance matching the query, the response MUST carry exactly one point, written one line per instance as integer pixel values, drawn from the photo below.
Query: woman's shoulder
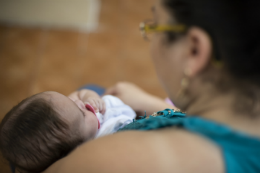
(164, 150)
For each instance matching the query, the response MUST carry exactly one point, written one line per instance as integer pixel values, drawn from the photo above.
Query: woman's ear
(199, 50)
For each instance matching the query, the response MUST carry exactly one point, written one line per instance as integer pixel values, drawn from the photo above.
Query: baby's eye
(80, 104)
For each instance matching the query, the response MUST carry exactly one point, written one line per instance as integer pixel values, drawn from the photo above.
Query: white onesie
(117, 115)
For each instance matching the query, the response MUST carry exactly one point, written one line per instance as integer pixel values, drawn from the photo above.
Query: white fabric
(117, 115)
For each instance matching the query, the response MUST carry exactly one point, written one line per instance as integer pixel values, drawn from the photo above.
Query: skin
(132, 94)
(72, 109)
(167, 150)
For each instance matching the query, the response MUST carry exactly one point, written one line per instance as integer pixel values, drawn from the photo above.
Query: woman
(206, 54)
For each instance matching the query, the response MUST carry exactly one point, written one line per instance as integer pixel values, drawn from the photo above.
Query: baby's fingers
(102, 106)
(103, 110)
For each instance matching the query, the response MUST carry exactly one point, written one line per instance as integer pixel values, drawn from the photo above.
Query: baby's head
(44, 128)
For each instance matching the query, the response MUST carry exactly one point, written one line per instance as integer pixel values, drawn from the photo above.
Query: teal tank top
(241, 153)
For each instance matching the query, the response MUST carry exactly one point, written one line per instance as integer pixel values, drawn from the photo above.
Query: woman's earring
(184, 86)
(182, 94)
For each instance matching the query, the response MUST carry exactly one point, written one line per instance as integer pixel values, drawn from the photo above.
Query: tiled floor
(33, 60)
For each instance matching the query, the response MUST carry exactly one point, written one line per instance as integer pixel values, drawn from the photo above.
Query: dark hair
(233, 26)
(32, 136)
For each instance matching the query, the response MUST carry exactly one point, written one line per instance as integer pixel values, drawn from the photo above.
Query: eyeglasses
(148, 28)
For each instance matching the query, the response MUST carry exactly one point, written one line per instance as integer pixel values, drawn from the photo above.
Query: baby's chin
(92, 134)
(89, 135)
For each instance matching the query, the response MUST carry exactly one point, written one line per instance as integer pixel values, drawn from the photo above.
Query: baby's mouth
(90, 108)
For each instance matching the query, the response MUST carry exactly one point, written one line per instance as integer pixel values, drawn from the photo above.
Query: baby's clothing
(117, 115)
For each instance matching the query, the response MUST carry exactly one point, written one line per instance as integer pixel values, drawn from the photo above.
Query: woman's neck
(220, 108)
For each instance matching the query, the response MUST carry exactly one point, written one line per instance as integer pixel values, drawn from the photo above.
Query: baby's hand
(97, 103)
(89, 97)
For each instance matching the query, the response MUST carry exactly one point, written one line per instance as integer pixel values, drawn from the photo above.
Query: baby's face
(74, 112)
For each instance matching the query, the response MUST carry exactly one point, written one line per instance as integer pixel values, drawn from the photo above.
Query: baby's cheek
(92, 127)
(85, 130)
(95, 123)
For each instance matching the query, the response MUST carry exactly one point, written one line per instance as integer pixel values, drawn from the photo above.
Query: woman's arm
(166, 150)
(137, 98)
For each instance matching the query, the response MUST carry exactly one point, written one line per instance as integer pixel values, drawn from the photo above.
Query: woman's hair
(234, 28)
(32, 136)
(233, 25)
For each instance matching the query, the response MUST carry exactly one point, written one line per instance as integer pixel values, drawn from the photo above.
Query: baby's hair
(33, 136)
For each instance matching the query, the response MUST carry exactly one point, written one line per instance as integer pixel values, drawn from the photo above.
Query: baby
(47, 126)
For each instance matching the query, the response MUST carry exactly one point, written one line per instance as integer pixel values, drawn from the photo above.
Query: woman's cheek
(155, 50)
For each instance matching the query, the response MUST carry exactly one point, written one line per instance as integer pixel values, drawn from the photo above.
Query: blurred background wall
(39, 57)
(63, 14)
